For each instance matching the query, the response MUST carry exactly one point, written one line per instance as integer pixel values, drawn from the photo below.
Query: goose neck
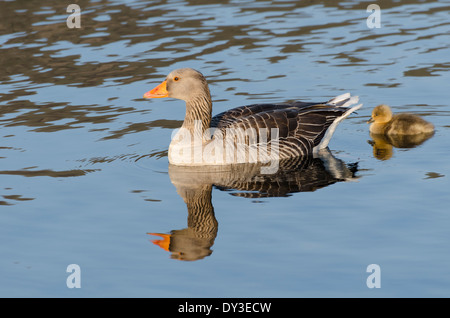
(198, 114)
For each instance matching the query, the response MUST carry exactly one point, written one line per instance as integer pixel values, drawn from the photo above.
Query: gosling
(383, 122)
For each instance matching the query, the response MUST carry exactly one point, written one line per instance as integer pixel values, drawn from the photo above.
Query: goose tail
(344, 101)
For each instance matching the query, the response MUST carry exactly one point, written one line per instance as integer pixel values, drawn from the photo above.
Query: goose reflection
(383, 145)
(195, 184)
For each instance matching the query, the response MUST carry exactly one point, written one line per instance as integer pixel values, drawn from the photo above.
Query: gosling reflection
(194, 185)
(383, 145)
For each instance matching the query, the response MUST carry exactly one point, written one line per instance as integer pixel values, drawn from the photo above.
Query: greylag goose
(384, 122)
(246, 134)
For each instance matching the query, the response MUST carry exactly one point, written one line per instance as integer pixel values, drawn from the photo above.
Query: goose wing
(299, 126)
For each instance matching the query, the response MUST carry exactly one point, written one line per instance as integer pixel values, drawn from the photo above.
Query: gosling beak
(158, 92)
(370, 120)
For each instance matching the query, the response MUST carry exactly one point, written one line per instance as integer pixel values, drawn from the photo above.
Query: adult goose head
(189, 85)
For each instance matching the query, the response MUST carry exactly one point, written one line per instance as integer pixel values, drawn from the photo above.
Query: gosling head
(184, 83)
(381, 114)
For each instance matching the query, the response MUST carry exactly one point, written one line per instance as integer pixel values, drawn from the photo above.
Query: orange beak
(158, 92)
(164, 243)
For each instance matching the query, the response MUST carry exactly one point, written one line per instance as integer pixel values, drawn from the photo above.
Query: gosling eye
(176, 79)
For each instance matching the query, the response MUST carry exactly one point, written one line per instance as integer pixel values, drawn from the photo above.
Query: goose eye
(176, 78)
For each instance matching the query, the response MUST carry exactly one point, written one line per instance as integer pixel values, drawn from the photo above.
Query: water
(83, 157)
